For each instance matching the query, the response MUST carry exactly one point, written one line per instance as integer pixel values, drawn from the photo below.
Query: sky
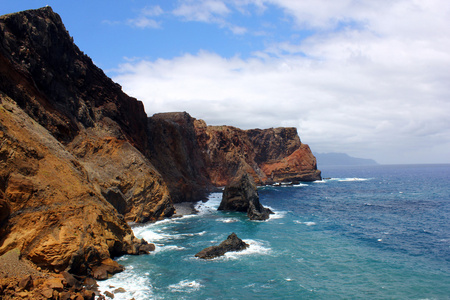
(363, 77)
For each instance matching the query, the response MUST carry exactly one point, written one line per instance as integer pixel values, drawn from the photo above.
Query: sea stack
(242, 195)
(232, 243)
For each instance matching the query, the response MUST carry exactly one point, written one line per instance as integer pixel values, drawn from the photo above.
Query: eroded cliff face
(72, 152)
(79, 158)
(56, 217)
(60, 88)
(176, 153)
(269, 155)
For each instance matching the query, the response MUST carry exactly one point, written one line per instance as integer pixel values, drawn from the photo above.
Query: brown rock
(52, 97)
(4, 210)
(54, 284)
(109, 294)
(268, 155)
(26, 283)
(119, 290)
(47, 293)
(70, 280)
(176, 153)
(88, 295)
(65, 296)
(106, 269)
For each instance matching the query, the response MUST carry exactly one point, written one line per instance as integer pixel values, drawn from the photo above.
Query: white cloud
(145, 19)
(379, 90)
(203, 11)
(144, 22)
(152, 11)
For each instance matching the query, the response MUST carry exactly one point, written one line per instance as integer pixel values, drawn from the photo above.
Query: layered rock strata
(269, 155)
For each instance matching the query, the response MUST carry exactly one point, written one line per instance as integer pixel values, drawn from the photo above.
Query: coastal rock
(52, 98)
(79, 158)
(232, 243)
(176, 153)
(242, 195)
(269, 155)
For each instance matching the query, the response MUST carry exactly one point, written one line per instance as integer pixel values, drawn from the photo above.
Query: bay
(372, 232)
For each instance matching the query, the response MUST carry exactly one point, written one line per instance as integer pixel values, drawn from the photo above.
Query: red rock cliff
(72, 152)
(269, 155)
(79, 158)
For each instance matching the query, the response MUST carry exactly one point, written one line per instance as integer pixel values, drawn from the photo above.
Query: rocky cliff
(79, 158)
(269, 155)
(72, 152)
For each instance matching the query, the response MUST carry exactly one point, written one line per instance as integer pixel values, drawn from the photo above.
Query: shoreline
(184, 209)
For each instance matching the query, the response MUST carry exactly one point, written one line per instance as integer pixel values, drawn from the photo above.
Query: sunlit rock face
(79, 158)
(268, 155)
(68, 135)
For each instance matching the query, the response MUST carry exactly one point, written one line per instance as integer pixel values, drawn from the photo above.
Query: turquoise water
(378, 232)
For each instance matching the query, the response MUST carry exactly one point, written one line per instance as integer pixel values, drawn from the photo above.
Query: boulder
(242, 195)
(232, 243)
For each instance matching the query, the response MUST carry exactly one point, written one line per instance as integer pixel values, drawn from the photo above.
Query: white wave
(162, 248)
(276, 214)
(306, 223)
(209, 206)
(255, 247)
(320, 181)
(228, 220)
(136, 287)
(185, 286)
(351, 179)
(288, 279)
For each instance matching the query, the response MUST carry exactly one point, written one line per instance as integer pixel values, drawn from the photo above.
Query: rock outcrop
(176, 153)
(79, 158)
(232, 243)
(269, 155)
(68, 135)
(242, 195)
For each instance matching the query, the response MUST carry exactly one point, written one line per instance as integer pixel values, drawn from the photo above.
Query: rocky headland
(80, 160)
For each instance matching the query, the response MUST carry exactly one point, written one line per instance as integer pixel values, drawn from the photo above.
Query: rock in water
(242, 195)
(232, 243)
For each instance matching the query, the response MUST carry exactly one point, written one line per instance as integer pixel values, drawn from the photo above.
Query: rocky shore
(80, 160)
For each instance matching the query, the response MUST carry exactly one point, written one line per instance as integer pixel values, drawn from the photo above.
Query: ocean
(365, 232)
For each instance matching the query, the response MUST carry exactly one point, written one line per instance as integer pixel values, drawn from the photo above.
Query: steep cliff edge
(72, 153)
(269, 155)
(79, 158)
(60, 88)
(193, 157)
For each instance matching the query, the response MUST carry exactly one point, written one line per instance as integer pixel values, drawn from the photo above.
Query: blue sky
(368, 78)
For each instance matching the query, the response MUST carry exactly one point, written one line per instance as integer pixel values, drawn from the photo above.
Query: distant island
(341, 159)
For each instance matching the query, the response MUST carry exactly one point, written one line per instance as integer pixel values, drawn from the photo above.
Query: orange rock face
(270, 155)
(68, 135)
(79, 158)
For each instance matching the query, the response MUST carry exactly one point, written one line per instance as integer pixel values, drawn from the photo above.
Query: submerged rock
(232, 243)
(242, 195)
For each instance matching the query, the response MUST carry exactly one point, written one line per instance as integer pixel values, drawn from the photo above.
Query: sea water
(375, 232)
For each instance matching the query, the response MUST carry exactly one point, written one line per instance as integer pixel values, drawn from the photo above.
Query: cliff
(79, 158)
(269, 155)
(70, 141)
(194, 157)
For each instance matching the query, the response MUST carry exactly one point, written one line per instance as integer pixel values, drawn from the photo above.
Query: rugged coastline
(80, 159)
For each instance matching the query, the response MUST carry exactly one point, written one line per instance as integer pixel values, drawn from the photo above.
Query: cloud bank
(371, 79)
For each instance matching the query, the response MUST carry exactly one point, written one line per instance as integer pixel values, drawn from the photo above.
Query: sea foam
(136, 287)
(185, 286)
